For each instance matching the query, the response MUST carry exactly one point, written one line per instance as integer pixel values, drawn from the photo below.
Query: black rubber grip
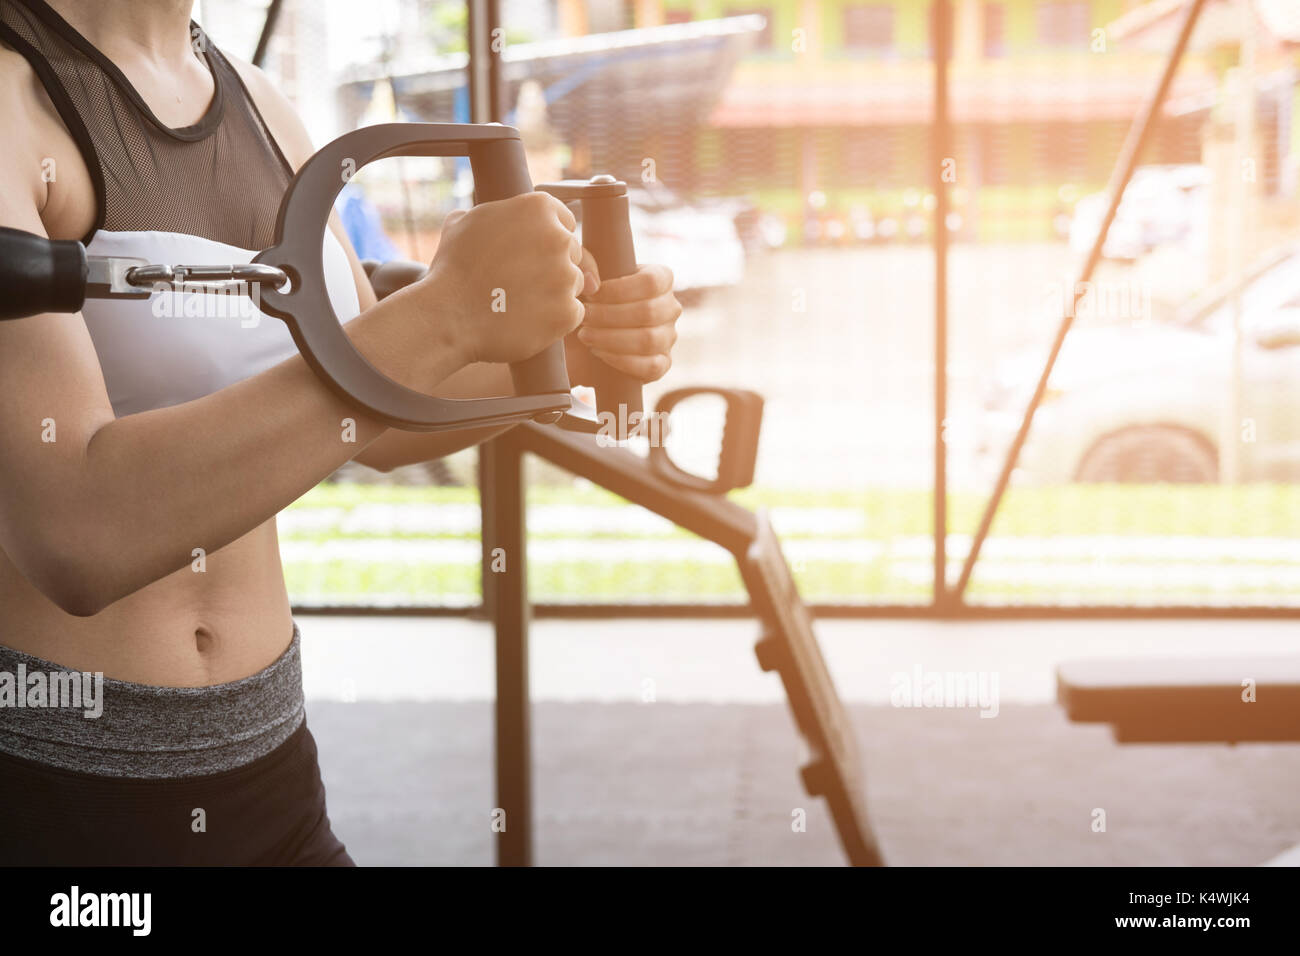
(386, 278)
(607, 235)
(40, 275)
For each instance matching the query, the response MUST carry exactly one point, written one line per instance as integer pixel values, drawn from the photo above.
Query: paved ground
(706, 773)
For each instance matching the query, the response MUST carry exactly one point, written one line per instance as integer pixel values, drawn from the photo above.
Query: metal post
(1138, 135)
(505, 564)
(1243, 195)
(942, 142)
(485, 85)
(504, 531)
(268, 29)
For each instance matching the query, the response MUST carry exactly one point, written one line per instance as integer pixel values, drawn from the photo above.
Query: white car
(698, 242)
(1150, 401)
(1161, 204)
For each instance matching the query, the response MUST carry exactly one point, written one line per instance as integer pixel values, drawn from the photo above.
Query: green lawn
(1098, 544)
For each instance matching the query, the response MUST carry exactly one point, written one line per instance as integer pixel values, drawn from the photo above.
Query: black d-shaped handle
(500, 171)
(738, 453)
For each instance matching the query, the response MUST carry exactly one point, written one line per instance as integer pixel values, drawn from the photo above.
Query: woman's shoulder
(39, 154)
(20, 89)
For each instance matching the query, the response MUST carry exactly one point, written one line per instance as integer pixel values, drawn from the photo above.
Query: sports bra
(202, 194)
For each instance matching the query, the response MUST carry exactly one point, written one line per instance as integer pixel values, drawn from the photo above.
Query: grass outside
(371, 544)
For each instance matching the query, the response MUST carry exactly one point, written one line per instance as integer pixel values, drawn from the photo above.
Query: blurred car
(1161, 204)
(1148, 401)
(759, 231)
(698, 241)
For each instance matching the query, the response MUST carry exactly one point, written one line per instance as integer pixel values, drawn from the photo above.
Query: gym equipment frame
(787, 645)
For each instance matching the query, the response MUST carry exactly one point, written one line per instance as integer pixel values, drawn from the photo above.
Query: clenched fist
(507, 276)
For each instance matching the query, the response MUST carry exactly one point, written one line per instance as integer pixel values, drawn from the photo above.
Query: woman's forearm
(395, 448)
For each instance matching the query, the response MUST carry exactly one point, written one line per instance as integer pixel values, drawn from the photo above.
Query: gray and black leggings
(163, 776)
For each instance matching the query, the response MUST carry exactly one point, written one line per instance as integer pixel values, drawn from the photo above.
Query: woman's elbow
(67, 572)
(68, 584)
(79, 602)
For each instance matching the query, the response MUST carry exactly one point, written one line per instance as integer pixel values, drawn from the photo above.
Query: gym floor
(662, 743)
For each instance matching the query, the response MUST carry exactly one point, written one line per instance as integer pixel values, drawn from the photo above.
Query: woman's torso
(228, 616)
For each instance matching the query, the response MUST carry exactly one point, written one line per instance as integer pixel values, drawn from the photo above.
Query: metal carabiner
(212, 278)
(123, 277)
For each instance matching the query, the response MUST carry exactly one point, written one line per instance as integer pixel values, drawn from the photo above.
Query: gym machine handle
(607, 235)
(40, 275)
(500, 171)
(739, 451)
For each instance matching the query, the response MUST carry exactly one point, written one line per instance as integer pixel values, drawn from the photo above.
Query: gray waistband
(116, 728)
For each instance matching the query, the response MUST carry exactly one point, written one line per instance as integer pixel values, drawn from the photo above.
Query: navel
(204, 639)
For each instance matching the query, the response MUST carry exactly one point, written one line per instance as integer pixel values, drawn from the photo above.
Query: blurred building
(835, 97)
(1250, 141)
(819, 109)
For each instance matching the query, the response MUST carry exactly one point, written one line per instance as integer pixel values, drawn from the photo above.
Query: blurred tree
(447, 26)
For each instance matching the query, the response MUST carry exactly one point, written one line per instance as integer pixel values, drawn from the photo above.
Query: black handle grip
(387, 277)
(607, 234)
(40, 275)
(738, 453)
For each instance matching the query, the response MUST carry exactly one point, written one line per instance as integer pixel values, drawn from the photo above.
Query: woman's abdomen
(221, 618)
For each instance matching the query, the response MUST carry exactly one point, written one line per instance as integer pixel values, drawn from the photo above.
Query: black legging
(270, 812)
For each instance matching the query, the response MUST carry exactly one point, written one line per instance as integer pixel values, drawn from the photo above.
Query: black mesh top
(220, 179)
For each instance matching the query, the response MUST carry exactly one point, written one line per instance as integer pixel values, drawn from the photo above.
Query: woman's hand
(506, 278)
(630, 325)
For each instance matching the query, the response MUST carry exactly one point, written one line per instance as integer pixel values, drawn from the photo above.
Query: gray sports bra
(206, 193)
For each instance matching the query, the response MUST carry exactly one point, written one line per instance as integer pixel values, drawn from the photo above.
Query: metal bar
(859, 612)
(505, 540)
(618, 470)
(942, 154)
(268, 29)
(1138, 134)
(955, 612)
(504, 532)
(481, 67)
(485, 83)
(487, 533)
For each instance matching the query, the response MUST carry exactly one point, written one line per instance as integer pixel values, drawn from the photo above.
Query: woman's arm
(94, 507)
